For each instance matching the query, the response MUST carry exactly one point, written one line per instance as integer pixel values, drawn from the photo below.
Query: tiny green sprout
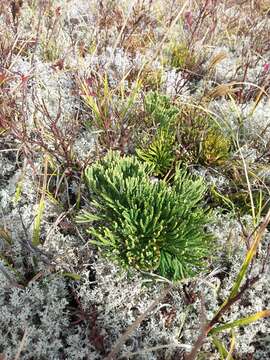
(144, 224)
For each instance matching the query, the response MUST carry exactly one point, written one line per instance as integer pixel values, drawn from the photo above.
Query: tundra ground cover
(175, 86)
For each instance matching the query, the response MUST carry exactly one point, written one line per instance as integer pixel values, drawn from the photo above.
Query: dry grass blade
(216, 60)
(258, 99)
(123, 27)
(5, 234)
(222, 90)
(164, 38)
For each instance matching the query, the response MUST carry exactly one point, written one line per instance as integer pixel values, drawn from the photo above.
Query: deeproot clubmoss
(145, 224)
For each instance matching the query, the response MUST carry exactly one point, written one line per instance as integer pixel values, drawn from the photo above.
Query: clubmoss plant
(160, 153)
(146, 224)
(160, 108)
(189, 132)
(201, 140)
(215, 147)
(158, 150)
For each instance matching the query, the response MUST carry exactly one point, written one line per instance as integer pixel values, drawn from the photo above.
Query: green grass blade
(220, 348)
(251, 253)
(241, 322)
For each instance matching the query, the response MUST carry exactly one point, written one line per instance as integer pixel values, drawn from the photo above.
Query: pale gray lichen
(120, 298)
(39, 312)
